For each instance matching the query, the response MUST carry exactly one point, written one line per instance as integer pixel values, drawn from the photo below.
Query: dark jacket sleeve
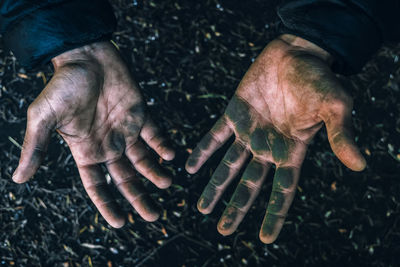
(38, 30)
(351, 30)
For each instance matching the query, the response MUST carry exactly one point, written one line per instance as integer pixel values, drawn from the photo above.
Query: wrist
(94, 53)
(300, 44)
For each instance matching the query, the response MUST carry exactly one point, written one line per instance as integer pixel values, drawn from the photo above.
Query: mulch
(189, 56)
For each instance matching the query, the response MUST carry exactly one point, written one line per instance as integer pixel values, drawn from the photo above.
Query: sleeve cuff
(47, 32)
(345, 32)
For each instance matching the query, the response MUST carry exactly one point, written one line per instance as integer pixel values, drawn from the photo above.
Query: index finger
(211, 142)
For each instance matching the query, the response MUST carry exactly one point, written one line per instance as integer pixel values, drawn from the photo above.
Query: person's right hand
(286, 96)
(95, 105)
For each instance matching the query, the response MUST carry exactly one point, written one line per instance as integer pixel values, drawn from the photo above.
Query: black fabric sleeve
(351, 30)
(37, 30)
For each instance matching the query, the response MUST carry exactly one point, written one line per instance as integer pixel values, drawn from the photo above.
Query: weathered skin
(286, 96)
(95, 105)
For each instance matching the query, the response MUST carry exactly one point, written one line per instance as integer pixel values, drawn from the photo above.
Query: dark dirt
(188, 57)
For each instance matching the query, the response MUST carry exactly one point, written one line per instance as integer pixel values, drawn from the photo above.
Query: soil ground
(189, 56)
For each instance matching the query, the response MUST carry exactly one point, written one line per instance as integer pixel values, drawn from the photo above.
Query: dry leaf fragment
(182, 203)
(333, 186)
(23, 76)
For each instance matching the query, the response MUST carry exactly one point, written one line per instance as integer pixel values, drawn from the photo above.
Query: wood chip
(333, 186)
(23, 76)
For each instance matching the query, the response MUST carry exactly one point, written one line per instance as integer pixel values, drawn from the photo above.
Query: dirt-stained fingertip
(164, 183)
(267, 239)
(168, 154)
(151, 217)
(147, 208)
(18, 179)
(118, 223)
(225, 230)
(112, 213)
(359, 164)
(204, 206)
(190, 166)
(350, 156)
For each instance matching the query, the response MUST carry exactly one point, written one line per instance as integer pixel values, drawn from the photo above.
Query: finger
(151, 134)
(143, 162)
(341, 139)
(132, 189)
(213, 140)
(226, 171)
(97, 189)
(244, 196)
(283, 191)
(35, 144)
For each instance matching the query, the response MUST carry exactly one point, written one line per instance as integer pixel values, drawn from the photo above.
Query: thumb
(37, 136)
(341, 139)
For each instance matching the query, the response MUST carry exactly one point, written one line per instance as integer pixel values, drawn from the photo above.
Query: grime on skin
(286, 96)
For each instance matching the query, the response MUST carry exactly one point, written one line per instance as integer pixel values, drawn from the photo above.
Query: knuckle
(214, 136)
(231, 165)
(338, 107)
(250, 185)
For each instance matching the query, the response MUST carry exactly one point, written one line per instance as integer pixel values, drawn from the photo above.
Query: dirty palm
(96, 106)
(283, 100)
(286, 96)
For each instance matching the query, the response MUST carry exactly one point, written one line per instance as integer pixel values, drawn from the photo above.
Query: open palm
(285, 97)
(94, 104)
